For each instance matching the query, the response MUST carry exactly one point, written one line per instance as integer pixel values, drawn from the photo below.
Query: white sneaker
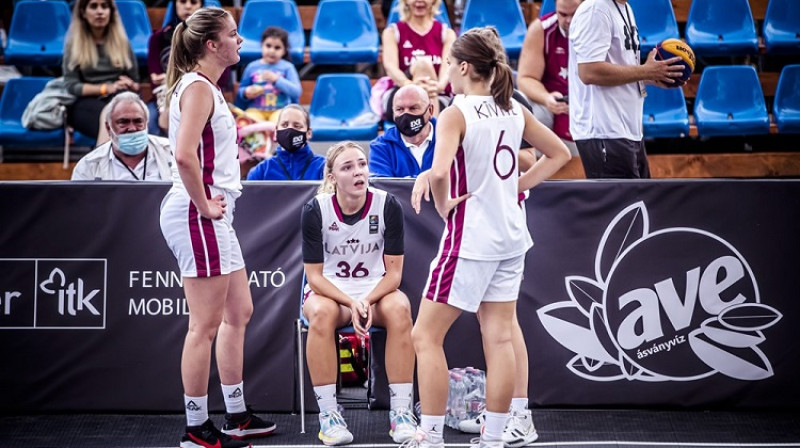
(333, 430)
(423, 439)
(403, 424)
(519, 430)
(478, 442)
(472, 426)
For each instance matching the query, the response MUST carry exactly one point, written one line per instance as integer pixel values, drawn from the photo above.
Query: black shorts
(617, 158)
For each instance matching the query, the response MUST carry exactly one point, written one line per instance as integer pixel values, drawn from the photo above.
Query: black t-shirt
(312, 229)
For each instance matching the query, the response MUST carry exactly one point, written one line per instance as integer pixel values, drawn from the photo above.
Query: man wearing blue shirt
(407, 149)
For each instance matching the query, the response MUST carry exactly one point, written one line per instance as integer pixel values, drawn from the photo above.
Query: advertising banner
(636, 293)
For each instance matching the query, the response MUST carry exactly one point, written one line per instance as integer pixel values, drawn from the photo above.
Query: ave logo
(676, 304)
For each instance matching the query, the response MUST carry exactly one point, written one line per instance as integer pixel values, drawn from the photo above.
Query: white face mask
(132, 143)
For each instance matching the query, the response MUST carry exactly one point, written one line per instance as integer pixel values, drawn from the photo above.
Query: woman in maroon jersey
(413, 51)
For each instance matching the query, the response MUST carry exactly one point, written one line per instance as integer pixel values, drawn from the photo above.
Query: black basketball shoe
(208, 436)
(246, 424)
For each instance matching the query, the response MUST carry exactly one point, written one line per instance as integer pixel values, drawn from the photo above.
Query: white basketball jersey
(218, 151)
(490, 225)
(353, 252)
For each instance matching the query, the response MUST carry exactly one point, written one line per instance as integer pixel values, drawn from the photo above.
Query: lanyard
(630, 30)
(144, 168)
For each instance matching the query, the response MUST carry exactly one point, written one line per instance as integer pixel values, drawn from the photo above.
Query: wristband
(103, 89)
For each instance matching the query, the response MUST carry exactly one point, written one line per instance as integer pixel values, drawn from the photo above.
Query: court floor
(556, 427)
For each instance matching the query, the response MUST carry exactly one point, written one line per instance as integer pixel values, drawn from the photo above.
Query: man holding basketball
(606, 89)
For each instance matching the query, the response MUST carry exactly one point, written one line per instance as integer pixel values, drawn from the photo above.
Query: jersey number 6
(500, 148)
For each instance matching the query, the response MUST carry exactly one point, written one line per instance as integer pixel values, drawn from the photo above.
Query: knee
(397, 314)
(496, 334)
(204, 330)
(240, 317)
(322, 317)
(422, 67)
(422, 339)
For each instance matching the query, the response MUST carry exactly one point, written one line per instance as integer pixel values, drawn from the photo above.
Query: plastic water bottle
(475, 398)
(458, 391)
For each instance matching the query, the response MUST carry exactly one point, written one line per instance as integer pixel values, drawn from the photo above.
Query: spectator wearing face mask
(407, 149)
(294, 159)
(131, 154)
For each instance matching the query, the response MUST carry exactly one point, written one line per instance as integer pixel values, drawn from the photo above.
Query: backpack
(47, 110)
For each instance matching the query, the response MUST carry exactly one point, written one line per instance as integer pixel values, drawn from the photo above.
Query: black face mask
(410, 124)
(291, 139)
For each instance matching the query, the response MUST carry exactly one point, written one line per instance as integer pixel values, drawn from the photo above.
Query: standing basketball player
(196, 218)
(353, 259)
(475, 186)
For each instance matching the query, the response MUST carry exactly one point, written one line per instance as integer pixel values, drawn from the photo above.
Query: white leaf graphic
(600, 372)
(575, 333)
(747, 364)
(629, 226)
(716, 331)
(598, 326)
(591, 365)
(749, 316)
(630, 370)
(584, 291)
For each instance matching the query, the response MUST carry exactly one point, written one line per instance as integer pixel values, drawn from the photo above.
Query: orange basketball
(670, 48)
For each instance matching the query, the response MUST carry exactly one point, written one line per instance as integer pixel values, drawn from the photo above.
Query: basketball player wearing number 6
(476, 186)
(353, 258)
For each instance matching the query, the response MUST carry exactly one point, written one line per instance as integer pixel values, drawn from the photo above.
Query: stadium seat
(394, 14)
(506, 16)
(547, 7)
(787, 100)
(137, 26)
(17, 93)
(170, 12)
(79, 139)
(730, 102)
(344, 32)
(655, 21)
(781, 28)
(665, 113)
(721, 28)
(340, 108)
(36, 35)
(257, 15)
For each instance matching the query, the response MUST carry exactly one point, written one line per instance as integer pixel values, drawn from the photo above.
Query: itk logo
(72, 297)
(655, 311)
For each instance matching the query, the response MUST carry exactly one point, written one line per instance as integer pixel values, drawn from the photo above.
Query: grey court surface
(557, 428)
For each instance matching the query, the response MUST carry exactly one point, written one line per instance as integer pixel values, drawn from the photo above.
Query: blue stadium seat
(506, 16)
(721, 28)
(340, 108)
(170, 12)
(257, 15)
(730, 102)
(394, 14)
(655, 21)
(30, 41)
(787, 100)
(17, 93)
(79, 139)
(547, 7)
(781, 28)
(665, 113)
(137, 26)
(344, 32)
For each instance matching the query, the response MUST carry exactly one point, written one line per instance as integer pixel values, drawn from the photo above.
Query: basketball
(669, 48)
